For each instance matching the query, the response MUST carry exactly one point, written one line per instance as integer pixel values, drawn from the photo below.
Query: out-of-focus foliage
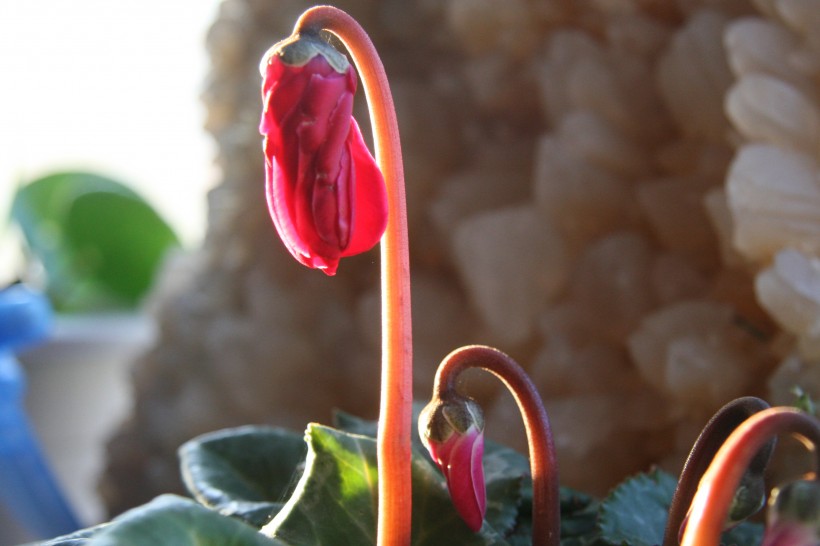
(99, 242)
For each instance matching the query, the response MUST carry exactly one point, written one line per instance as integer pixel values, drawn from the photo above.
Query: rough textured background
(622, 194)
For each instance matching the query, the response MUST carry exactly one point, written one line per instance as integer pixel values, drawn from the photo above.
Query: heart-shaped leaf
(365, 427)
(247, 472)
(579, 517)
(635, 513)
(504, 469)
(335, 501)
(170, 520)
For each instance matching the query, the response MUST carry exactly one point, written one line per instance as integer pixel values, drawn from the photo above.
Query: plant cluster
(374, 483)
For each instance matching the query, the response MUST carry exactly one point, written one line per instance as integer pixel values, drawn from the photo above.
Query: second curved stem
(546, 508)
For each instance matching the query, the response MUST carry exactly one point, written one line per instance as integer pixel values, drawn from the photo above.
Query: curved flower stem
(716, 431)
(546, 507)
(710, 506)
(395, 414)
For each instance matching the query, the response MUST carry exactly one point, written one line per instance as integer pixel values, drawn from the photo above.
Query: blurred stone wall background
(622, 194)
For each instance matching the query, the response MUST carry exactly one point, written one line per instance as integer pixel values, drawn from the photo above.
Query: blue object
(27, 485)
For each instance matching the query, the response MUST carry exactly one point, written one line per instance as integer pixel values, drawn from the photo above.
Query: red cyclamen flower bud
(794, 515)
(325, 193)
(453, 433)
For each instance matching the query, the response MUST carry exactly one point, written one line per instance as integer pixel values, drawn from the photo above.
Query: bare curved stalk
(546, 508)
(710, 506)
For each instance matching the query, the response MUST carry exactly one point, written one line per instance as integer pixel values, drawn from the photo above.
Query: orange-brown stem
(546, 507)
(397, 372)
(714, 434)
(710, 506)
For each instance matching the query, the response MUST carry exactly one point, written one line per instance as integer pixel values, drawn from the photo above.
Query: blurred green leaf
(579, 517)
(77, 538)
(117, 240)
(803, 400)
(743, 534)
(504, 475)
(99, 242)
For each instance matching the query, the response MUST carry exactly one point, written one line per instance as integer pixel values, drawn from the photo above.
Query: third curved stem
(710, 506)
(716, 431)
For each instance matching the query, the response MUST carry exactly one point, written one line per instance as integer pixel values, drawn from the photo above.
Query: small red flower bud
(325, 193)
(453, 433)
(794, 515)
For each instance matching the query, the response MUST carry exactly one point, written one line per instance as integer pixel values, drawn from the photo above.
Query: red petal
(277, 193)
(477, 468)
(332, 175)
(460, 459)
(369, 204)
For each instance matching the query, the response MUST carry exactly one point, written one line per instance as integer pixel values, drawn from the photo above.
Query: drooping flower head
(794, 515)
(452, 430)
(750, 495)
(325, 193)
